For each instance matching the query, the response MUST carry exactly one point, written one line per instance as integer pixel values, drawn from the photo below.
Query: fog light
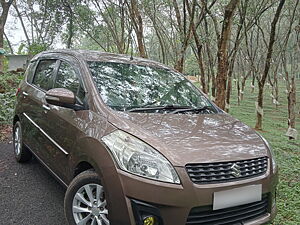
(149, 220)
(146, 214)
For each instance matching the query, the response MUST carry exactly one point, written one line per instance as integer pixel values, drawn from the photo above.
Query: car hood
(193, 138)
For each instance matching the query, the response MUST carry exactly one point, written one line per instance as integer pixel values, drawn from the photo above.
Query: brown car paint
(75, 138)
(60, 96)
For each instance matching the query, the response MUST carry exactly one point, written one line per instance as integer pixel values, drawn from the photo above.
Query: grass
(274, 129)
(287, 151)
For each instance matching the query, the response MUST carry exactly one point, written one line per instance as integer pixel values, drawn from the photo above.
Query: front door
(33, 103)
(62, 123)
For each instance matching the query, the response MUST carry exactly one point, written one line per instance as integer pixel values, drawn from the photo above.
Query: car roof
(91, 55)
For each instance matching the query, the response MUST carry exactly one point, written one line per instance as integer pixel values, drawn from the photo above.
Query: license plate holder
(237, 196)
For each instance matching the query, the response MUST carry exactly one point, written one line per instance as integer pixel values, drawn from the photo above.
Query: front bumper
(175, 202)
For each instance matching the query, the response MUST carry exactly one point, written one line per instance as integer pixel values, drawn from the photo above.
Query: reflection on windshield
(127, 86)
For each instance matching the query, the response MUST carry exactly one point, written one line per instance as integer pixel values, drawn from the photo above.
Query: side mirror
(61, 97)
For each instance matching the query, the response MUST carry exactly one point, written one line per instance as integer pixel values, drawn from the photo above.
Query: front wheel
(85, 202)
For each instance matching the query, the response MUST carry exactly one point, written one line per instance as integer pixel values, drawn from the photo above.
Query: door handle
(46, 107)
(25, 93)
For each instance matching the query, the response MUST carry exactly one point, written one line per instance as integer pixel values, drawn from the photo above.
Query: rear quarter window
(44, 73)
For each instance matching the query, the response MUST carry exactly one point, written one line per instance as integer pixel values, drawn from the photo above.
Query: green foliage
(191, 65)
(21, 49)
(8, 85)
(36, 48)
(6, 46)
(5, 64)
(8, 100)
(32, 49)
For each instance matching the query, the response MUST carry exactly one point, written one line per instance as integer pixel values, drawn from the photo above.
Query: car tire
(78, 204)
(22, 153)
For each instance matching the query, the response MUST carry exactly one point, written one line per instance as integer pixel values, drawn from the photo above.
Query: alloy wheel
(17, 140)
(89, 206)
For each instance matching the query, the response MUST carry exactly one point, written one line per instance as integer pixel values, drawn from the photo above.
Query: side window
(43, 74)
(67, 78)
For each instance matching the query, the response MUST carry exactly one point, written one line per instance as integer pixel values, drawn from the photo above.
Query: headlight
(271, 152)
(135, 156)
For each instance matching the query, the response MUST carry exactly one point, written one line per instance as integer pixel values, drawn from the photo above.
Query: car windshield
(137, 87)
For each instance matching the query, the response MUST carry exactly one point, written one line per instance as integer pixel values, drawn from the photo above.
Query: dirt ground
(5, 133)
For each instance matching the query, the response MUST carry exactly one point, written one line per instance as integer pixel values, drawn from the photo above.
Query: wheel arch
(81, 167)
(15, 119)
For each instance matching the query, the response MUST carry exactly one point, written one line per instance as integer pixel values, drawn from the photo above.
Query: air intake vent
(229, 216)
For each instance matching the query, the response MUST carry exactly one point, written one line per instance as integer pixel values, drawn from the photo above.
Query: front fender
(96, 154)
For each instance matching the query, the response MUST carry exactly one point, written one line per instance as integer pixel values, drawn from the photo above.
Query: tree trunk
(253, 82)
(262, 81)
(70, 25)
(210, 64)
(5, 8)
(185, 34)
(291, 86)
(233, 55)
(179, 63)
(259, 112)
(138, 27)
(243, 88)
(199, 47)
(200, 61)
(228, 92)
(291, 105)
(158, 33)
(275, 89)
(70, 35)
(9, 44)
(239, 90)
(22, 23)
(222, 53)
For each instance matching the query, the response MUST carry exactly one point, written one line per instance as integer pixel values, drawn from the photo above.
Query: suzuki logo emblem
(236, 170)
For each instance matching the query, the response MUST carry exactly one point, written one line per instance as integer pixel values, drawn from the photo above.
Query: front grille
(207, 173)
(229, 216)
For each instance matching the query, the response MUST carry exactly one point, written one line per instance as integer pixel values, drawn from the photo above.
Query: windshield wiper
(205, 108)
(163, 107)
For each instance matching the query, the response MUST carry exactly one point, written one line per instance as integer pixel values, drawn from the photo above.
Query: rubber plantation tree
(69, 13)
(41, 23)
(234, 52)
(159, 46)
(248, 15)
(106, 23)
(185, 22)
(290, 43)
(71, 25)
(21, 20)
(262, 80)
(199, 46)
(5, 5)
(223, 53)
(138, 26)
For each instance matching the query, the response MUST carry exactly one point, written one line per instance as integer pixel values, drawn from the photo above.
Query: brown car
(135, 143)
